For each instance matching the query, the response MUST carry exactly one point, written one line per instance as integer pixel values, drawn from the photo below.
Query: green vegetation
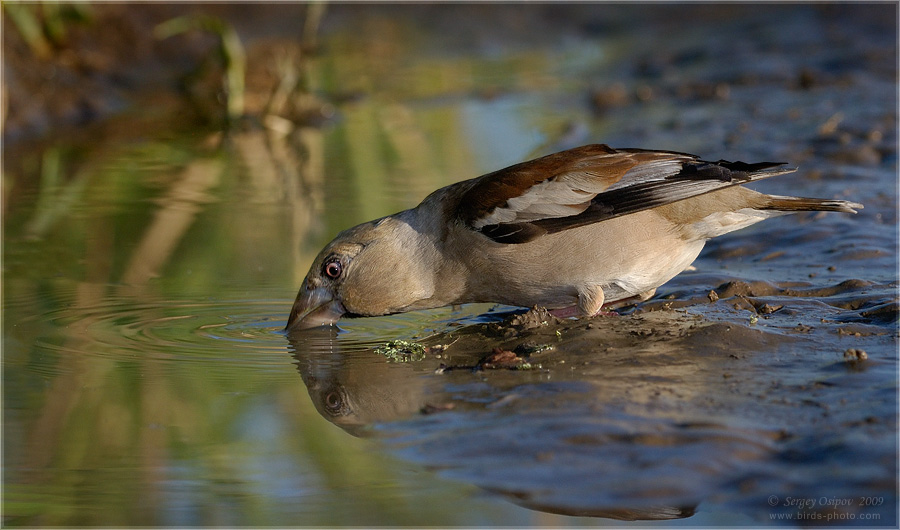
(229, 52)
(402, 351)
(44, 26)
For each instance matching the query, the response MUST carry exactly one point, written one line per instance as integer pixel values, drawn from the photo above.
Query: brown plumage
(570, 231)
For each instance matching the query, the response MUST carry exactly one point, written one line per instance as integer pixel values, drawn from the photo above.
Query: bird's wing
(590, 184)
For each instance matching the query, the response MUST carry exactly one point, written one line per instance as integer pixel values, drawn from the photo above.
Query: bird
(578, 232)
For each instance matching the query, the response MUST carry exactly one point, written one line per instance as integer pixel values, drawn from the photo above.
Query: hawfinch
(570, 231)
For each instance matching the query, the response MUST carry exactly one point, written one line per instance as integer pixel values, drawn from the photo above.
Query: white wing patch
(547, 199)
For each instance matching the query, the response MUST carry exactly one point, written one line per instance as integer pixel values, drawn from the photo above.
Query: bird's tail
(803, 204)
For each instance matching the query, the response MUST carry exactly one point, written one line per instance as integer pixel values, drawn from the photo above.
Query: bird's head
(375, 268)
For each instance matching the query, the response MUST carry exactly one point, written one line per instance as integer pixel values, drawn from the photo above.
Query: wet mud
(651, 414)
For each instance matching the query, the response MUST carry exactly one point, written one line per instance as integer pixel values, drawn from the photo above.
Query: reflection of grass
(111, 430)
(55, 197)
(126, 436)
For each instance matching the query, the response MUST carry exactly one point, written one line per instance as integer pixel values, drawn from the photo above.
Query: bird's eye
(333, 269)
(335, 402)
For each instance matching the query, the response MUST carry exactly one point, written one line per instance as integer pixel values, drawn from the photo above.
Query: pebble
(855, 355)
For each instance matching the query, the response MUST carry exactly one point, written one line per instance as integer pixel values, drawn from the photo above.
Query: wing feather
(591, 184)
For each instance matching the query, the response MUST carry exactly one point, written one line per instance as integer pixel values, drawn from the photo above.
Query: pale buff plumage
(572, 231)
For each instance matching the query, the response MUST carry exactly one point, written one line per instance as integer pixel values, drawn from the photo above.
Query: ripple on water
(243, 332)
(233, 332)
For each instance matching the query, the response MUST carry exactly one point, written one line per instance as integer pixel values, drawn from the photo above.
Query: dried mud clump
(534, 318)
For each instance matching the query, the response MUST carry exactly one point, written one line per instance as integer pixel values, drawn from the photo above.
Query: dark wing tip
(512, 233)
(723, 170)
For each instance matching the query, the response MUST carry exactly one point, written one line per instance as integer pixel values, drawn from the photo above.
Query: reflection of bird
(570, 231)
(364, 394)
(351, 386)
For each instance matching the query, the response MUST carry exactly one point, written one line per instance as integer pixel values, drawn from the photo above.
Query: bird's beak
(314, 307)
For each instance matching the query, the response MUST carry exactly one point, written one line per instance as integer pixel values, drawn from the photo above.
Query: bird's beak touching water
(314, 307)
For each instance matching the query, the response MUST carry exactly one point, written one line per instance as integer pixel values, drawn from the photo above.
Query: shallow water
(147, 278)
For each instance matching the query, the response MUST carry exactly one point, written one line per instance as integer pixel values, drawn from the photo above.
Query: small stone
(854, 355)
(713, 296)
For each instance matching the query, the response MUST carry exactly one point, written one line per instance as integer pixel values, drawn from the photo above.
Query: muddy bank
(88, 62)
(647, 415)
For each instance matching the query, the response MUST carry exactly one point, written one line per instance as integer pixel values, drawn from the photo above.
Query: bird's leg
(590, 300)
(590, 303)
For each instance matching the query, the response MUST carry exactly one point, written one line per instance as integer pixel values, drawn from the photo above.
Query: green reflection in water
(144, 284)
